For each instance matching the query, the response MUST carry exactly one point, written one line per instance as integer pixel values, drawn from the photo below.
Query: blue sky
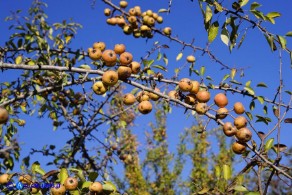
(261, 65)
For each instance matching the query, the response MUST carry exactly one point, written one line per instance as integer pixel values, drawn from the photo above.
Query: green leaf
(209, 78)
(208, 14)
(160, 67)
(282, 41)
(213, 31)
(179, 56)
(36, 168)
(273, 14)
(261, 99)
(270, 40)
(86, 184)
(159, 55)
(249, 90)
(148, 63)
(225, 36)
(202, 70)
(63, 175)
(74, 192)
(252, 105)
(217, 171)
(289, 34)
(243, 2)
(270, 20)
(241, 40)
(249, 115)
(269, 144)
(225, 77)
(109, 186)
(197, 72)
(235, 82)
(258, 14)
(254, 5)
(240, 188)
(85, 66)
(226, 172)
(236, 6)
(262, 84)
(265, 120)
(92, 176)
(165, 59)
(265, 109)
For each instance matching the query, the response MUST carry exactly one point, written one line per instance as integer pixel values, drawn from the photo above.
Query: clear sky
(261, 65)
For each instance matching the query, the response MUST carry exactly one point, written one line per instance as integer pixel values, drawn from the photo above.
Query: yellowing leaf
(240, 188)
(203, 191)
(249, 90)
(252, 193)
(233, 72)
(243, 2)
(273, 14)
(18, 59)
(179, 56)
(213, 31)
(68, 38)
(208, 14)
(261, 99)
(218, 6)
(226, 172)
(202, 70)
(63, 175)
(165, 59)
(217, 171)
(162, 10)
(85, 66)
(289, 34)
(247, 84)
(282, 41)
(150, 72)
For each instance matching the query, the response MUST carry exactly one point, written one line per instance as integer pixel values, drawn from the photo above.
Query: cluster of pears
(136, 22)
(110, 58)
(126, 66)
(70, 184)
(143, 97)
(198, 97)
